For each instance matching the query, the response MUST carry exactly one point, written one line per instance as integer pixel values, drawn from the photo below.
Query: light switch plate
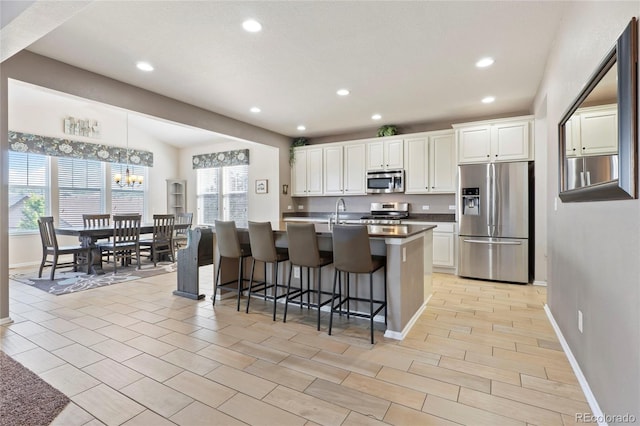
(425, 207)
(452, 207)
(289, 207)
(300, 207)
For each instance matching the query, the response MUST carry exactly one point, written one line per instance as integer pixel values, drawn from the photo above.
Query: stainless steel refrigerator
(496, 223)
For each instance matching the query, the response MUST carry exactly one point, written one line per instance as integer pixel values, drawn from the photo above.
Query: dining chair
(50, 247)
(229, 247)
(180, 237)
(98, 220)
(126, 240)
(162, 240)
(352, 254)
(304, 253)
(263, 249)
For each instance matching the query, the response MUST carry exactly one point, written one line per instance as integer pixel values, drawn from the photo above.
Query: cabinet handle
(583, 147)
(496, 155)
(487, 155)
(574, 149)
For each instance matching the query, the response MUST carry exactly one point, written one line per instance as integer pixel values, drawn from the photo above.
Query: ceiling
(411, 62)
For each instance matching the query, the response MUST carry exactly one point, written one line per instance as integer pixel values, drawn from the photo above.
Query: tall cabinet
(176, 196)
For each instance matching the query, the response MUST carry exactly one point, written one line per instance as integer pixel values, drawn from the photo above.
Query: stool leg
(286, 298)
(265, 281)
(333, 295)
(371, 303)
(215, 284)
(253, 267)
(240, 264)
(275, 291)
(308, 289)
(319, 284)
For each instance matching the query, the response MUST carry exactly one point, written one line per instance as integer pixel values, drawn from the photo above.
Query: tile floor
(133, 354)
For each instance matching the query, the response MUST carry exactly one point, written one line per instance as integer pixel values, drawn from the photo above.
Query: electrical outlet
(425, 207)
(579, 320)
(301, 207)
(289, 207)
(296, 272)
(452, 207)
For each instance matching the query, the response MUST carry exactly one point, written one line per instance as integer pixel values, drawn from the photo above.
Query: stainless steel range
(386, 214)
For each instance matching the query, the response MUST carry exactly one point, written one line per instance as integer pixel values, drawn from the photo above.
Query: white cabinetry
(499, 140)
(430, 163)
(444, 245)
(344, 169)
(385, 154)
(355, 169)
(306, 175)
(176, 196)
(592, 131)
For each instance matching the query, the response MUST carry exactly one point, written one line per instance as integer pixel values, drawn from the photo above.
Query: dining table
(89, 235)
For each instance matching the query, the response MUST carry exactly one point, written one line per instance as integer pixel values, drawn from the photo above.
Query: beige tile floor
(133, 354)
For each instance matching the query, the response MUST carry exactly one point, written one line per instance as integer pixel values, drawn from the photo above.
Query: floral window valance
(57, 147)
(221, 159)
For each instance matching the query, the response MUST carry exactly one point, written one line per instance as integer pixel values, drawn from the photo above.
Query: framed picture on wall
(262, 186)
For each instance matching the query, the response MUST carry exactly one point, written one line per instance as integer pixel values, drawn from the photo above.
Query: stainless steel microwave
(387, 181)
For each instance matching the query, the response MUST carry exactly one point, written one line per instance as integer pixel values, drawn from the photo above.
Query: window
(226, 187)
(128, 199)
(28, 190)
(81, 189)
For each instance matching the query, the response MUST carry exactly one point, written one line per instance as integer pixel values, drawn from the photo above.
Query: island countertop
(375, 231)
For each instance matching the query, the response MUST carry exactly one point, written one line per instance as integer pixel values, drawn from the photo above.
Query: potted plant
(295, 143)
(387, 130)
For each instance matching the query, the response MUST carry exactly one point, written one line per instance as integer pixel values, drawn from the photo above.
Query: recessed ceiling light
(376, 117)
(301, 127)
(255, 109)
(485, 62)
(144, 66)
(252, 25)
(342, 92)
(488, 99)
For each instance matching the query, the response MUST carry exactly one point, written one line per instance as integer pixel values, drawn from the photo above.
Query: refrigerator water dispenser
(471, 201)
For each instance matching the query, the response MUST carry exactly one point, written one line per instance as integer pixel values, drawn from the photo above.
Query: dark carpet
(26, 399)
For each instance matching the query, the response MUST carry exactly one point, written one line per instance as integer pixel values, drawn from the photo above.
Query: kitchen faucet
(344, 209)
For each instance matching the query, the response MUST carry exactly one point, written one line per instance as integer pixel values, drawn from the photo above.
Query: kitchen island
(409, 252)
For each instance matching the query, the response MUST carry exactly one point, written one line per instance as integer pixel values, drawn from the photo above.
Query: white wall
(593, 247)
(263, 161)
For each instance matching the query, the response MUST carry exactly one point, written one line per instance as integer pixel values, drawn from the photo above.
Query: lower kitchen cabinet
(444, 245)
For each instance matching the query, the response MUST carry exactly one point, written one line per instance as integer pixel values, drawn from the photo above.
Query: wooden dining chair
(180, 237)
(126, 240)
(50, 247)
(162, 240)
(98, 220)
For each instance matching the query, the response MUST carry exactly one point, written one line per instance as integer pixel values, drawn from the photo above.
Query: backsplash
(438, 203)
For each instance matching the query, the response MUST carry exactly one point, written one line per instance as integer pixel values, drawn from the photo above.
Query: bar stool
(304, 252)
(263, 249)
(352, 254)
(229, 247)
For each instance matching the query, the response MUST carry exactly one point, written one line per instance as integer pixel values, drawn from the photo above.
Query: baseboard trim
(591, 399)
(6, 320)
(540, 283)
(400, 335)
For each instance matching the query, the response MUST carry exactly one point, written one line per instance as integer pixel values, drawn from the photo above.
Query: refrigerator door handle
(504, 243)
(588, 178)
(582, 180)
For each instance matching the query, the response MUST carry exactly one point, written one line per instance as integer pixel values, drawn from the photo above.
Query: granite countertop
(375, 231)
(353, 216)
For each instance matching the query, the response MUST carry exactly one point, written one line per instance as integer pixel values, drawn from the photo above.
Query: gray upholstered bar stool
(263, 249)
(304, 252)
(229, 247)
(352, 254)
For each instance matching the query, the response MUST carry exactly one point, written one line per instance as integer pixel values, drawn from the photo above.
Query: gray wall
(594, 247)
(45, 72)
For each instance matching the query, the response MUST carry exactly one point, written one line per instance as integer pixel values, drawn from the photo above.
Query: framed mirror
(599, 132)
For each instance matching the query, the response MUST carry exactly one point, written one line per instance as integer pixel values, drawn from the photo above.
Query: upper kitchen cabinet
(344, 169)
(592, 131)
(306, 174)
(497, 140)
(385, 154)
(430, 163)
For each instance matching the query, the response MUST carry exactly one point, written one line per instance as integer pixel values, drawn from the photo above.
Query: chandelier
(129, 179)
